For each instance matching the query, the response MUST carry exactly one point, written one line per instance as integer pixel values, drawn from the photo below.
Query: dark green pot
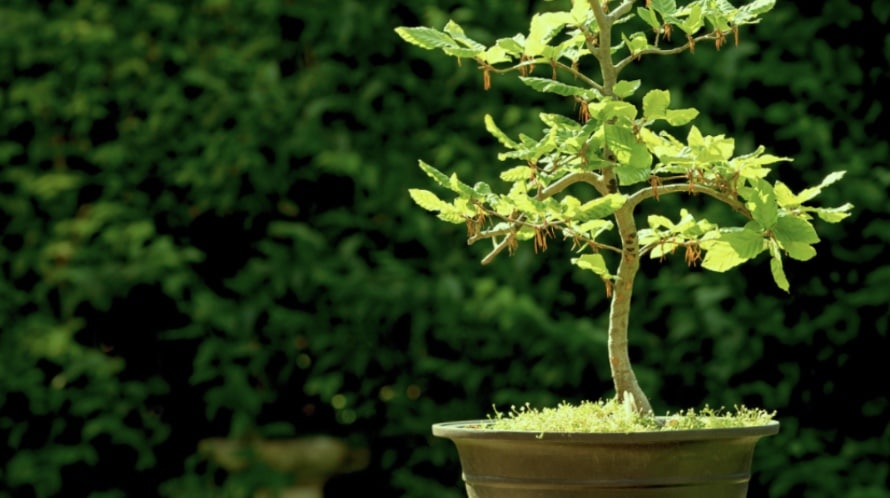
(710, 463)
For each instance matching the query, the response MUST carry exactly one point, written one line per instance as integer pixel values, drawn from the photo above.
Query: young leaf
(457, 33)
(650, 18)
(832, 215)
(664, 7)
(428, 200)
(624, 89)
(680, 117)
(543, 28)
(547, 85)
(761, 201)
(655, 104)
(427, 38)
(720, 256)
(790, 229)
(593, 262)
(498, 133)
(747, 243)
(776, 268)
(517, 174)
(440, 178)
(601, 207)
(800, 251)
(811, 192)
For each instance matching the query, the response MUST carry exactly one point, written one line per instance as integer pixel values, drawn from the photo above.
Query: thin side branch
(670, 51)
(650, 192)
(533, 62)
(621, 10)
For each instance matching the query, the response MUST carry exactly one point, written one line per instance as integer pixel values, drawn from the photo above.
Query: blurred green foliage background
(206, 232)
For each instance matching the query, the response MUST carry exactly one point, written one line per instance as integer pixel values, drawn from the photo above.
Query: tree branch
(660, 51)
(622, 9)
(588, 177)
(649, 192)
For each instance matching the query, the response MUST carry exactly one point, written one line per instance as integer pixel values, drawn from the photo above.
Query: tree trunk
(619, 359)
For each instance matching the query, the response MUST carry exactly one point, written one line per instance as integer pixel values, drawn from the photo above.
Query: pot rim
(470, 429)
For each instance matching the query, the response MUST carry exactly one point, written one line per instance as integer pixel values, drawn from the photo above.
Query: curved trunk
(619, 359)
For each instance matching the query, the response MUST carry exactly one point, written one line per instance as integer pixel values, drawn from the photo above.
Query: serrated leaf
(547, 85)
(655, 104)
(746, 243)
(784, 196)
(790, 229)
(543, 28)
(592, 262)
(761, 201)
(720, 256)
(440, 178)
(427, 200)
(601, 207)
(649, 17)
(636, 43)
(457, 33)
(812, 192)
(664, 7)
(498, 133)
(514, 46)
(680, 117)
(658, 221)
(775, 266)
(460, 187)
(832, 215)
(624, 89)
(517, 174)
(580, 10)
(800, 251)
(424, 37)
(694, 21)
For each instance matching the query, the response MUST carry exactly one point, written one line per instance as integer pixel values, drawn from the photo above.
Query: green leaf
(800, 251)
(580, 11)
(761, 201)
(593, 262)
(498, 133)
(694, 21)
(547, 85)
(655, 104)
(746, 243)
(636, 43)
(424, 37)
(650, 18)
(664, 7)
(428, 200)
(440, 178)
(633, 157)
(776, 268)
(601, 207)
(543, 28)
(624, 89)
(832, 215)
(517, 174)
(790, 229)
(457, 33)
(720, 256)
(812, 192)
(680, 117)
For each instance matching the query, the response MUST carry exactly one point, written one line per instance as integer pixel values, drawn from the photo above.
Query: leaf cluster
(621, 148)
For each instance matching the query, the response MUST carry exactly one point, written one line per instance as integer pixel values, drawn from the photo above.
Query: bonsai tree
(591, 172)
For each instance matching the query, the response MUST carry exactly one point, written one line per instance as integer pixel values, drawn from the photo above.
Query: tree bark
(619, 314)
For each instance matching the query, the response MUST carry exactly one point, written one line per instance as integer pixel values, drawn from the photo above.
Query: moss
(614, 416)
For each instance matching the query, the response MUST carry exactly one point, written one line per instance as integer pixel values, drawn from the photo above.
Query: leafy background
(206, 232)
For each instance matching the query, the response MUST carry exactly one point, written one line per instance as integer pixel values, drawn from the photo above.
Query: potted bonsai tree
(587, 178)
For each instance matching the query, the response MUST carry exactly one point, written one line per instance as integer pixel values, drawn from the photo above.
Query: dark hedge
(207, 232)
